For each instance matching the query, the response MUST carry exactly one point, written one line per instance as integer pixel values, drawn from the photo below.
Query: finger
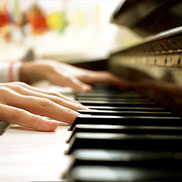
(74, 83)
(113, 80)
(108, 78)
(66, 103)
(44, 91)
(21, 117)
(41, 106)
(79, 86)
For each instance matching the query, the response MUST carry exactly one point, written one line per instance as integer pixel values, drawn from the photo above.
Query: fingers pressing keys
(34, 108)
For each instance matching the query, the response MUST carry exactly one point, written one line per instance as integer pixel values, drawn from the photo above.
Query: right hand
(35, 108)
(79, 79)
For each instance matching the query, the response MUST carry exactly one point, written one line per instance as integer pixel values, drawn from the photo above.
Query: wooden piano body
(155, 64)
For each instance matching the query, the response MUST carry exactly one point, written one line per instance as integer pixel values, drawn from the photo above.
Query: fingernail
(87, 88)
(82, 107)
(50, 126)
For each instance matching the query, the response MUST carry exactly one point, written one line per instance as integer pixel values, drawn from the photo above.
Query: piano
(127, 135)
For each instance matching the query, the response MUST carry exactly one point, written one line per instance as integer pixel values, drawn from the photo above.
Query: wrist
(26, 70)
(31, 72)
(14, 71)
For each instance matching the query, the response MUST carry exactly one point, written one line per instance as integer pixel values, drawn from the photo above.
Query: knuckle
(14, 85)
(17, 113)
(34, 120)
(57, 100)
(55, 94)
(69, 111)
(59, 96)
(6, 95)
(5, 90)
(19, 83)
(44, 102)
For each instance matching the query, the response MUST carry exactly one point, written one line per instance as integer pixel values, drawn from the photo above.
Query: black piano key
(124, 174)
(91, 157)
(159, 130)
(117, 103)
(124, 141)
(107, 91)
(113, 99)
(128, 120)
(102, 86)
(124, 158)
(98, 90)
(115, 108)
(126, 113)
(108, 95)
(103, 90)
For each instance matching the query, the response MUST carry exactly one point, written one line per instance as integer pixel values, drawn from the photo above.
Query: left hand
(66, 75)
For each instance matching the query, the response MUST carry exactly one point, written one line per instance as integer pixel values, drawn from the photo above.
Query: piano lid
(149, 17)
(155, 63)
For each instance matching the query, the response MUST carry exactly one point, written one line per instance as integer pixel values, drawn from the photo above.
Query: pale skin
(41, 110)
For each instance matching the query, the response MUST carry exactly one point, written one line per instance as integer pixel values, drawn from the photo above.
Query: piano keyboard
(124, 137)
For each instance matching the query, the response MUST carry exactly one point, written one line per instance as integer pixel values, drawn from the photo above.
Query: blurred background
(64, 30)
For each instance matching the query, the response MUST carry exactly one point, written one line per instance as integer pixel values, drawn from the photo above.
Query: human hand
(69, 76)
(35, 108)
